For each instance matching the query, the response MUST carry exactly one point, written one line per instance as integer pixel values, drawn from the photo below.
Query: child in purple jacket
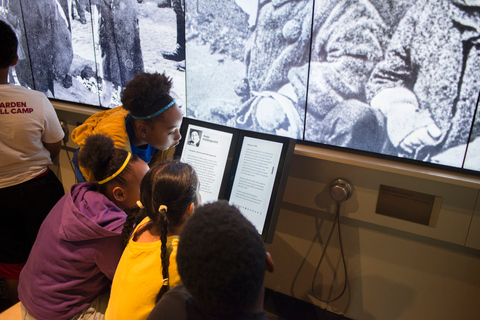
(69, 271)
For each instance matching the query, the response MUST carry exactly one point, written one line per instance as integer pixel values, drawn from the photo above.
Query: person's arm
(108, 255)
(53, 133)
(53, 148)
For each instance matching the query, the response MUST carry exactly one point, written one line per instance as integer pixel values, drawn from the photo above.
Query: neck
(258, 305)
(147, 233)
(4, 76)
(175, 231)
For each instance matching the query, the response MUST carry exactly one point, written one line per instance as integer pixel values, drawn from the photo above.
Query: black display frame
(239, 135)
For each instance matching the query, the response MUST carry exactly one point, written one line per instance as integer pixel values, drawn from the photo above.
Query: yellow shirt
(111, 123)
(138, 278)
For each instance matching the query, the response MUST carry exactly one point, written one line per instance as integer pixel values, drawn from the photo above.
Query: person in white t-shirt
(30, 137)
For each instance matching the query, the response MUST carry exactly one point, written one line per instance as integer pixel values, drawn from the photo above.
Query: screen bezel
(276, 196)
(238, 136)
(184, 128)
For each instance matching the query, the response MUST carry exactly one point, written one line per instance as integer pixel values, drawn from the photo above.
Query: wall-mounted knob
(340, 190)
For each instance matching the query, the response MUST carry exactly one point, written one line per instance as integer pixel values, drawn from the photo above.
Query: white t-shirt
(27, 119)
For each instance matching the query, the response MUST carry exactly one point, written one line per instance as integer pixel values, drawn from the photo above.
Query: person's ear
(269, 264)
(190, 209)
(14, 62)
(141, 129)
(119, 194)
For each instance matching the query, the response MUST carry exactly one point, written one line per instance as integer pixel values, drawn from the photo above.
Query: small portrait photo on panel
(194, 137)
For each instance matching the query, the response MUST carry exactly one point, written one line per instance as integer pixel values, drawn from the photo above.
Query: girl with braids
(168, 195)
(70, 268)
(148, 121)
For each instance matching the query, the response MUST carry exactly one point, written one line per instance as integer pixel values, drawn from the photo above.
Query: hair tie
(155, 113)
(165, 282)
(140, 204)
(164, 207)
(118, 171)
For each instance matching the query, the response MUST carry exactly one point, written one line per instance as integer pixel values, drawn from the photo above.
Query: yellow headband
(118, 171)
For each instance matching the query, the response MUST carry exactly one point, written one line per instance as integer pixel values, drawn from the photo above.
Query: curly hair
(221, 259)
(101, 157)
(9, 44)
(147, 93)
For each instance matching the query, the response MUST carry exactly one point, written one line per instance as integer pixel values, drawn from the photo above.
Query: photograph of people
(395, 77)
(427, 86)
(97, 47)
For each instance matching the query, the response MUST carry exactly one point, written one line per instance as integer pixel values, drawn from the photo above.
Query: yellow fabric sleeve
(111, 123)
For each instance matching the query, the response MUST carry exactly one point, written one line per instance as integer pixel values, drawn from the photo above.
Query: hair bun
(96, 154)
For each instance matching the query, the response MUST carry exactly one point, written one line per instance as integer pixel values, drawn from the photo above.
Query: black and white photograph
(238, 59)
(86, 51)
(194, 137)
(395, 77)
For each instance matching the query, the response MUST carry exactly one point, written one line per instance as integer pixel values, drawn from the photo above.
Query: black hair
(101, 157)
(221, 259)
(146, 94)
(170, 183)
(9, 44)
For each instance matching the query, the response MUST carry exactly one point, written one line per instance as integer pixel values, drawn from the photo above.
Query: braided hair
(166, 192)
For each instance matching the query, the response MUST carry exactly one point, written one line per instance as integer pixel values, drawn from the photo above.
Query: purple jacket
(74, 256)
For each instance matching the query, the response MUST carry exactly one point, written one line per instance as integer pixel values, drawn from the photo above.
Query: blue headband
(154, 114)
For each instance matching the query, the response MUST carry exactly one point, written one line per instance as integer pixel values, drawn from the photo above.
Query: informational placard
(408, 205)
(249, 169)
(255, 178)
(206, 150)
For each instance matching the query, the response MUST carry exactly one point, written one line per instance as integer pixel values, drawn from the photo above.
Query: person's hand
(420, 138)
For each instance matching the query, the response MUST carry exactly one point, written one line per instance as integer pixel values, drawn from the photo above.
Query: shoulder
(18, 92)
(110, 122)
(172, 305)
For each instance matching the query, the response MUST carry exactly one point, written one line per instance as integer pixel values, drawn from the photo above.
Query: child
(149, 120)
(168, 196)
(222, 262)
(72, 263)
(30, 138)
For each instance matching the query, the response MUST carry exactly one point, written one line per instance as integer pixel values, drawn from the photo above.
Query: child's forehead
(172, 117)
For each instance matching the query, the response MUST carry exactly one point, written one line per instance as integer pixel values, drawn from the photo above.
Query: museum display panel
(394, 79)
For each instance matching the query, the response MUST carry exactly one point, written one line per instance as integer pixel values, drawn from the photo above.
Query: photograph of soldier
(49, 43)
(87, 50)
(252, 44)
(21, 73)
(347, 41)
(120, 49)
(392, 77)
(427, 86)
(178, 54)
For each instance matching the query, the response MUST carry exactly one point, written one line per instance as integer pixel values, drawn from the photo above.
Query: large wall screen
(397, 78)
(85, 51)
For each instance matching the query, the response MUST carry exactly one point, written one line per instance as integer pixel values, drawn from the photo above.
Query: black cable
(336, 221)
